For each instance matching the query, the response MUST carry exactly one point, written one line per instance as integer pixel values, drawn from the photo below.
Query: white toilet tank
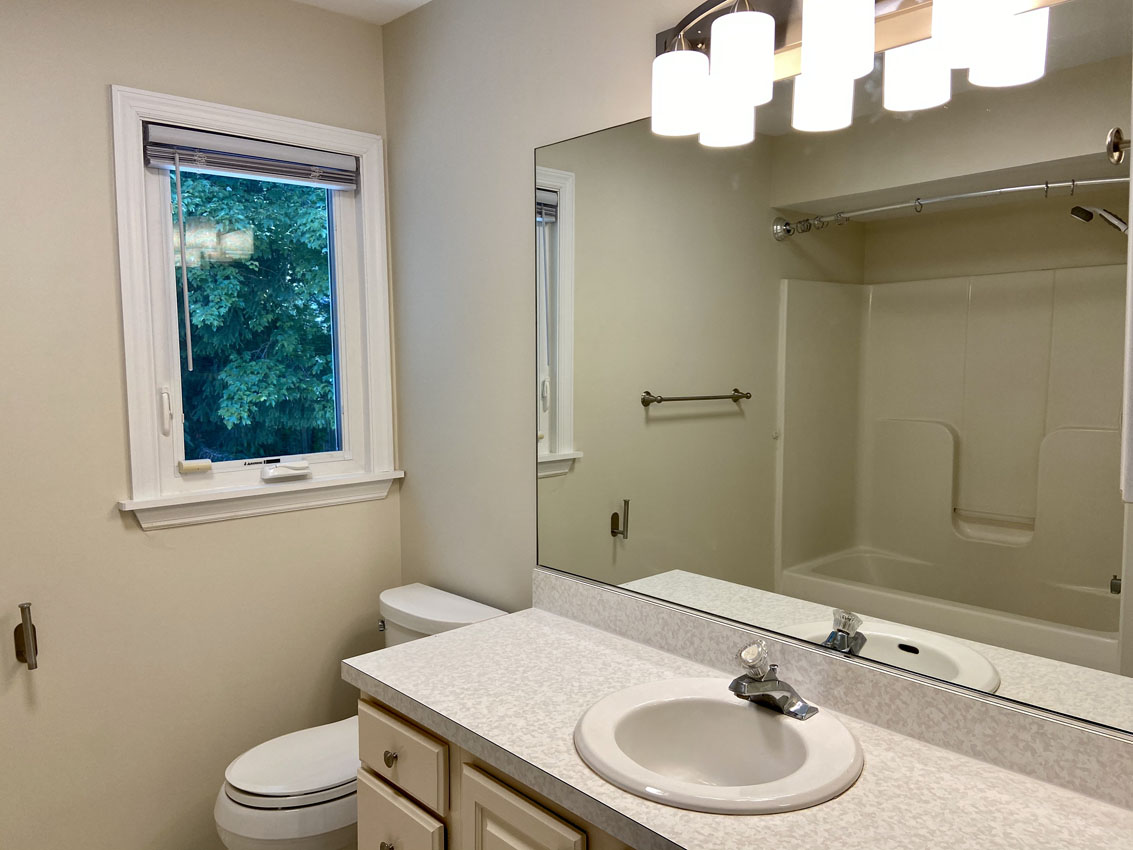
(416, 610)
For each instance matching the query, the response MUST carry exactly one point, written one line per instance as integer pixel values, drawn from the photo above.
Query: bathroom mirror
(932, 435)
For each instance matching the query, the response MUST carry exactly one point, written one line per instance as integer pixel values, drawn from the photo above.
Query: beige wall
(166, 654)
(472, 89)
(675, 292)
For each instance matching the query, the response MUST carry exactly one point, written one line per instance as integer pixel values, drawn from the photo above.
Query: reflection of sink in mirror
(690, 743)
(916, 650)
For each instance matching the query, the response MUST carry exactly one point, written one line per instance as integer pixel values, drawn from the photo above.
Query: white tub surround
(515, 687)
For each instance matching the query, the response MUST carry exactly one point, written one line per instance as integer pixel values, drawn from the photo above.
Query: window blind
(200, 150)
(546, 204)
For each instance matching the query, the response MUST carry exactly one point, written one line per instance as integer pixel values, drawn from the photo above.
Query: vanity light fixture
(838, 38)
(729, 120)
(822, 104)
(1011, 48)
(917, 76)
(680, 83)
(1001, 42)
(743, 53)
(837, 48)
(954, 22)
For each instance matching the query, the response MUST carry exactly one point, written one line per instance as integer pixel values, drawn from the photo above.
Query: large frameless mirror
(910, 335)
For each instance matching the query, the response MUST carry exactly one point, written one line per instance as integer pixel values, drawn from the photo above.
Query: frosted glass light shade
(743, 55)
(917, 76)
(955, 25)
(1012, 49)
(838, 38)
(680, 81)
(729, 120)
(822, 103)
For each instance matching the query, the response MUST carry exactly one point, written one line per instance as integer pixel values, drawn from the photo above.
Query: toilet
(297, 792)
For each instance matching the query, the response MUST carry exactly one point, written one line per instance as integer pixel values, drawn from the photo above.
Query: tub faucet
(845, 636)
(761, 684)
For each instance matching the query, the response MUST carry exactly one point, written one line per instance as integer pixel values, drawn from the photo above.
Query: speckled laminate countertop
(510, 691)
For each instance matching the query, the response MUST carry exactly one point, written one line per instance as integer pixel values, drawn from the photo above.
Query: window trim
(158, 507)
(559, 460)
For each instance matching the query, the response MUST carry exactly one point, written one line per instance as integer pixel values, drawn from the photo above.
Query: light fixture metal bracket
(696, 26)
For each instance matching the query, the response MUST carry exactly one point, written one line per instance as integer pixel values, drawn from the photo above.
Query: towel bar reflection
(647, 398)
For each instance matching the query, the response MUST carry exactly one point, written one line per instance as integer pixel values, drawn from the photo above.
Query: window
(554, 277)
(256, 311)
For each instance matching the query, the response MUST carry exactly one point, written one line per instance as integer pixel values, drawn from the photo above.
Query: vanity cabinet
(419, 792)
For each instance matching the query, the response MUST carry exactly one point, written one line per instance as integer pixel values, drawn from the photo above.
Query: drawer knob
(390, 759)
(385, 845)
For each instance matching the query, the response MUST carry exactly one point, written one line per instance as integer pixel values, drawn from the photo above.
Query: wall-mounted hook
(620, 528)
(27, 647)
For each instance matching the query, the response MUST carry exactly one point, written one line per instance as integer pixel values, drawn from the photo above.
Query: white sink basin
(691, 743)
(916, 650)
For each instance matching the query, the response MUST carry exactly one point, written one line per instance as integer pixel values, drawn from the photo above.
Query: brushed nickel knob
(390, 758)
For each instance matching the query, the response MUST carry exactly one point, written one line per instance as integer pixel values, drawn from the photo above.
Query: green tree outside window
(258, 258)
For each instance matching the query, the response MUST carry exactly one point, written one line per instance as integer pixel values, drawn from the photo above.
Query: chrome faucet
(761, 684)
(845, 636)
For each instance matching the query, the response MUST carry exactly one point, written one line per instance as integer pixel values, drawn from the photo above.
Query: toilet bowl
(298, 791)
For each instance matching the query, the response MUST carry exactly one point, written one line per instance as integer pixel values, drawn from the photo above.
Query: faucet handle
(846, 621)
(755, 659)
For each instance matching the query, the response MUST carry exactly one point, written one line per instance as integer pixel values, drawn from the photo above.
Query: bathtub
(1070, 623)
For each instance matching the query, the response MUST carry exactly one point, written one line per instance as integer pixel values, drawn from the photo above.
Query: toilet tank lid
(430, 611)
(301, 762)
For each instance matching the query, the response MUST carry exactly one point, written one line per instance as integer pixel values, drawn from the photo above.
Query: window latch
(166, 412)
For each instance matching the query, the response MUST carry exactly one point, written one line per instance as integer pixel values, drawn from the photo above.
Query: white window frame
(365, 468)
(560, 457)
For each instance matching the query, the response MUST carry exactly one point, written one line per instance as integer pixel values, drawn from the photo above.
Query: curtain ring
(841, 219)
(917, 205)
(1046, 189)
(1073, 186)
(820, 224)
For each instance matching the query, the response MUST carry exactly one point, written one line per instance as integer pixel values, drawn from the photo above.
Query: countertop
(510, 691)
(1032, 679)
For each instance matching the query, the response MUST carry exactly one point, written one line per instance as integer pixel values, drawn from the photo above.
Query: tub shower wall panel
(822, 329)
(986, 454)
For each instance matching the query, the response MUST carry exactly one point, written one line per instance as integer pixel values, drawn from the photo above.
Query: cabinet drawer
(418, 763)
(388, 818)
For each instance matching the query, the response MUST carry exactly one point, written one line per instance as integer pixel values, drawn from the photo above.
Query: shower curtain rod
(782, 229)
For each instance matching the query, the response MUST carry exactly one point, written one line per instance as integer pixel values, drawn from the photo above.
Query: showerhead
(1112, 219)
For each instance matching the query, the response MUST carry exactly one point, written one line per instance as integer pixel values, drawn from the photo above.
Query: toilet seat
(296, 768)
(291, 801)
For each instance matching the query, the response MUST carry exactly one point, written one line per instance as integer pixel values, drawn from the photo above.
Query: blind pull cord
(184, 271)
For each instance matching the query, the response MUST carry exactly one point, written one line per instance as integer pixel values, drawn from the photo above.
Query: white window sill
(559, 463)
(217, 505)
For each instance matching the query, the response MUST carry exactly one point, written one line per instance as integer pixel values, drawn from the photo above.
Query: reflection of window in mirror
(554, 275)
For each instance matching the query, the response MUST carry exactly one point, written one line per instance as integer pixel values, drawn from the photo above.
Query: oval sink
(692, 744)
(916, 650)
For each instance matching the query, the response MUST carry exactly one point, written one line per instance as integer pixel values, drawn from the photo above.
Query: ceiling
(373, 11)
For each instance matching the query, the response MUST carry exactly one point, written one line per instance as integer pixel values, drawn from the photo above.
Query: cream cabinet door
(493, 817)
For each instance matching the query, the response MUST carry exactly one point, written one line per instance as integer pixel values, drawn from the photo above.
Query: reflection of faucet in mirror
(761, 684)
(845, 636)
